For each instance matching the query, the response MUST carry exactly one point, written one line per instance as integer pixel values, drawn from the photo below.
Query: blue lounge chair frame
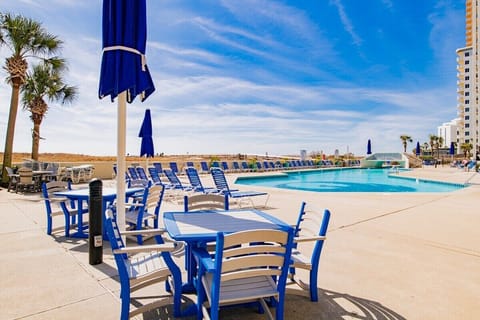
(195, 182)
(222, 185)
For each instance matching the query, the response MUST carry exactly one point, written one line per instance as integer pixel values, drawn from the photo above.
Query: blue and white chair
(312, 225)
(248, 266)
(222, 185)
(142, 266)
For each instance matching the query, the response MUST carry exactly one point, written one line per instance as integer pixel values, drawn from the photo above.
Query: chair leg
(313, 286)
(49, 224)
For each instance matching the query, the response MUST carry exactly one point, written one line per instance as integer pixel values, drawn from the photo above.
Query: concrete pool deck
(387, 256)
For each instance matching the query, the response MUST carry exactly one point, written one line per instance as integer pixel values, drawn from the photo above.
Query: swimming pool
(349, 180)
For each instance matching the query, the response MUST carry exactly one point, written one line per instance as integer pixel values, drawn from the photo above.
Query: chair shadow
(335, 305)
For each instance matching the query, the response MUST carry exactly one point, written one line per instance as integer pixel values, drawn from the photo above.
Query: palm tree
(26, 39)
(45, 81)
(405, 139)
(466, 148)
(433, 142)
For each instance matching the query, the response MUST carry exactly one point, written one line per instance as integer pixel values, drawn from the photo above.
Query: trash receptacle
(95, 227)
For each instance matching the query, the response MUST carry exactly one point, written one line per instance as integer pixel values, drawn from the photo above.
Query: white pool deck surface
(387, 256)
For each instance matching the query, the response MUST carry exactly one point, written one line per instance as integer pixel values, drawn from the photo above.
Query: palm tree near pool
(26, 39)
(45, 81)
(405, 139)
(433, 142)
(466, 148)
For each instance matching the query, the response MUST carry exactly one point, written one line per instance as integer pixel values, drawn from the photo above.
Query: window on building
(467, 69)
(467, 54)
(467, 125)
(467, 61)
(467, 78)
(467, 101)
(467, 109)
(467, 117)
(467, 133)
(467, 86)
(467, 94)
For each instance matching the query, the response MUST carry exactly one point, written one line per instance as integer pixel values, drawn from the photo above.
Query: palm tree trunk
(35, 140)
(12, 118)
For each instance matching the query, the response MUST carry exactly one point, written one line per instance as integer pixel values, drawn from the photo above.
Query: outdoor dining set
(30, 176)
(233, 253)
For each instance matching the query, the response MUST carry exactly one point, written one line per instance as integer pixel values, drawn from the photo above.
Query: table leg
(80, 233)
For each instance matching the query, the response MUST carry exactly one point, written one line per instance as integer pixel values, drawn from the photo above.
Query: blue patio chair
(190, 164)
(215, 164)
(312, 225)
(140, 214)
(154, 176)
(248, 266)
(225, 166)
(246, 167)
(196, 183)
(205, 202)
(236, 166)
(222, 185)
(141, 173)
(175, 182)
(158, 166)
(142, 266)
(174, 167)
(204, 167)
(133, 173)
(60, 206)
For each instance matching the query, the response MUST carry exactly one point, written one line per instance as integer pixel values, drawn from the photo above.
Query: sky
(257, 76)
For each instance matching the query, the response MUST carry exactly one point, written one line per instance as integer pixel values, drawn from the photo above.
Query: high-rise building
(468, 62)
(449, 133)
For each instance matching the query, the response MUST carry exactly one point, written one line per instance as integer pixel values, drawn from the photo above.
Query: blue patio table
(81, 195)
(198, 228)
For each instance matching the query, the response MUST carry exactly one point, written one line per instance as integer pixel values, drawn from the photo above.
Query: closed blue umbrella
(124, 72)
(369, 147)
(452, 149)
(417, 149)
(146, 133)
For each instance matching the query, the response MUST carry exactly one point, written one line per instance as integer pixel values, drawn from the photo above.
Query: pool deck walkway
(387, 256)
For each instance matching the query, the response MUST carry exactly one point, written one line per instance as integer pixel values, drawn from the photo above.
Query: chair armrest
(204, 258)
(148, 248)
(143, 232)
(306, 239)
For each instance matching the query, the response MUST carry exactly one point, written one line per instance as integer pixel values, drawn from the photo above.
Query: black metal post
(95, 212)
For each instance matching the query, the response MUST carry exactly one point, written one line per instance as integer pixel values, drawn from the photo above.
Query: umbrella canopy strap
(132, 50)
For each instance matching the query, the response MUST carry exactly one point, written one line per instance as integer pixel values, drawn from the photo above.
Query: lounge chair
(225, 166)
(158, 166)
(236, 166)
(142, 266)
(246, 167)
(196, 183)
(175, 181)
(174, 167)
(222, 185)
(311, 226)
(204, 167)
(141, 173)
(248, 266)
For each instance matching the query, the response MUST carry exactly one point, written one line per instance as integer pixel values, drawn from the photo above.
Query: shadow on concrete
(331, 306)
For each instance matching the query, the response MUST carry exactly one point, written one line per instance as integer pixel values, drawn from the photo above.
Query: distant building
(449, 131)
(468, 83)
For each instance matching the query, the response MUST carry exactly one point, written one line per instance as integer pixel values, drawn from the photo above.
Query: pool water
(349, 180)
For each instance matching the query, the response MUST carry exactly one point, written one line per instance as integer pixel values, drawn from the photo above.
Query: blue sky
(258, 76)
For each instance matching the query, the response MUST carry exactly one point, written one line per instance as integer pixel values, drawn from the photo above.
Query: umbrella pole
(121, 166)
